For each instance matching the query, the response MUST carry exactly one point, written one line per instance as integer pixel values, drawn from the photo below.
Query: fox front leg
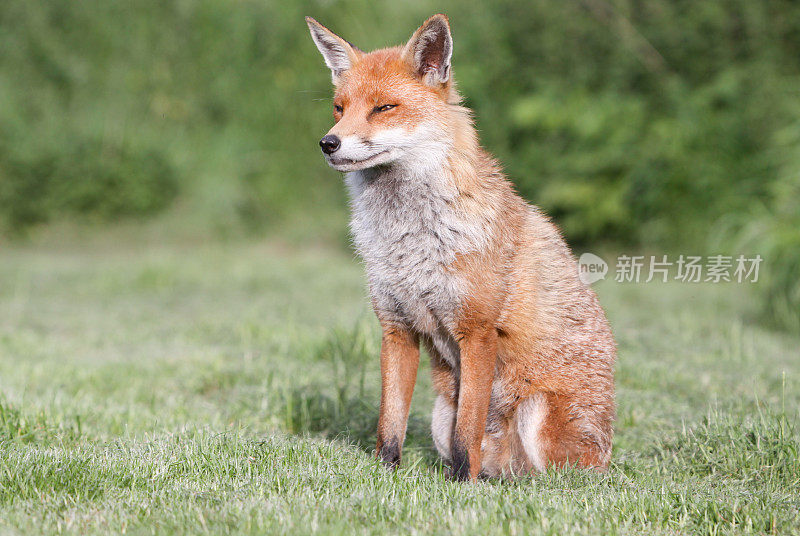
(478, 349)
(399, 363)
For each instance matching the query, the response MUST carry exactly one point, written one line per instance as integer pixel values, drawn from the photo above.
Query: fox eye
(384, 107)
(338, 109)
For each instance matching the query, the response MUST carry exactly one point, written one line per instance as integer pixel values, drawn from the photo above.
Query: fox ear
(339, 55)
(429, 50)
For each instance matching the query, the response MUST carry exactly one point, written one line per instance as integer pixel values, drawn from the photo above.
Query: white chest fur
(409, 232)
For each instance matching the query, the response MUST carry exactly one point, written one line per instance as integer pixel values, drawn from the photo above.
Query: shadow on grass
(340, 408)
(353, 418)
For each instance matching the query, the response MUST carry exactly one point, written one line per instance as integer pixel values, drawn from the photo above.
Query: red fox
(522, 355)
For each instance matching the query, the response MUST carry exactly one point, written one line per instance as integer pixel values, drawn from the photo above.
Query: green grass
(232, 388)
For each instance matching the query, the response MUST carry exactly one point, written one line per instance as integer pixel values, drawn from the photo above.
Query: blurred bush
(773, 230)
(82, 177)
(636, 122)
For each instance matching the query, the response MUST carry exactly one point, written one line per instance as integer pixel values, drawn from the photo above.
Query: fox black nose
(330, 144)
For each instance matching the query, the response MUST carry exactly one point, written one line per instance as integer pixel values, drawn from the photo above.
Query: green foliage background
(652, 124)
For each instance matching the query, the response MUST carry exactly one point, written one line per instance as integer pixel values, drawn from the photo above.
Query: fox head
(391, 106)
